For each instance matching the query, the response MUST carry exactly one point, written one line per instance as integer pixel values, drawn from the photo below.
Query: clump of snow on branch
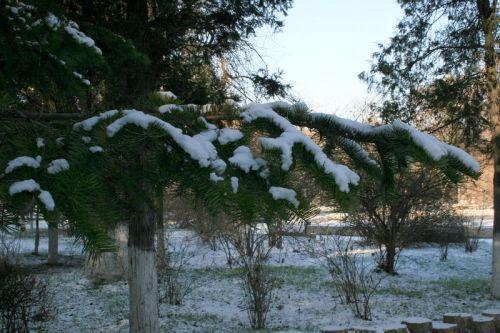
(343, 176)
(167, 108)
(167, 94)
(46, 198)
(40, 142)
(234, 184)
(80, 76)
(86, 139)
(215, 178)
(28, 185)
(227, 135)
(23, 161)
(96, 149)
(243, 159)
(284, 194)
(88, 124)
(196, 148)
(73, 30)
(57, 166)
(435, 148)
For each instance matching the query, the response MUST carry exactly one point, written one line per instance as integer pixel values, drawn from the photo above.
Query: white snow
(22, 161)
(430, 144)
(86, 139)
(439, 325)
(28, 185)
(218, 165)
(167, 94)
(88, 124)
(80, 76)
(215, 178)
(96, 149)
(305, 301)
(57, 166)
(46, 198)
(343, 176)
(417, 320)
(243, 158)
(167, 108)
(234, 184)
(40, 142)
(227, 135)
(60, 141)
(285, 194)
(198, 151)
(52, 21)
(73, 30)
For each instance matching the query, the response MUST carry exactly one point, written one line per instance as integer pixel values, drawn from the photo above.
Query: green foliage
(432, 72)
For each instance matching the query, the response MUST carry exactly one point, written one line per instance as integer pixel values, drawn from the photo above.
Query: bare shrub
(258, 282)
(173, 274)
(352, 277)
(24, 298)
(472, 233)
(389, 217)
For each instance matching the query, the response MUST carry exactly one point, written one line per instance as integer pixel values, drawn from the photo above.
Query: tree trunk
(37, 232)
(53, 257)
(390, 258)
(160, 230)
(487, 16)
(111, 266)
(143, 279)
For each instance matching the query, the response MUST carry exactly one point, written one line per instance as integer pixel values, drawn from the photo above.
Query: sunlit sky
(325, 44)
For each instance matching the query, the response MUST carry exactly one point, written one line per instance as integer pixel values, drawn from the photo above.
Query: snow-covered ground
(305, 301)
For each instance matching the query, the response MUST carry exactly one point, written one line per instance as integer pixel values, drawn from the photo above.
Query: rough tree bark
(143, 278)
(160, 230)
(488, 19)
(53, 256)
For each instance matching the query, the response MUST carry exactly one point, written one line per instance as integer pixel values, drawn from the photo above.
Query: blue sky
(325, 44)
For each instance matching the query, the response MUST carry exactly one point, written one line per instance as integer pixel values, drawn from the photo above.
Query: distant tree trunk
(111, 266)
(487, 16)
(160, 230)
(53, 257)
(37, 232)
(143, 278)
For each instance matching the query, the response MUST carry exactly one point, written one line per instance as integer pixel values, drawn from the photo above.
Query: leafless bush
(24, 298)
(351, 276)
(472, 232)
(9, 250)
(173, 274)
(258, 282)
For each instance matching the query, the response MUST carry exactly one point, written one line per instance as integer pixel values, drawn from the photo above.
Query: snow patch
(28, 185)
(57, 166)
(88, 124)
(243, 158)
(285, 194)
(96, 149)
(234, 184)
(215, 178)
(46, 198)
(40, 142)
(343, 176)
(227, 135)
(22, 161)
